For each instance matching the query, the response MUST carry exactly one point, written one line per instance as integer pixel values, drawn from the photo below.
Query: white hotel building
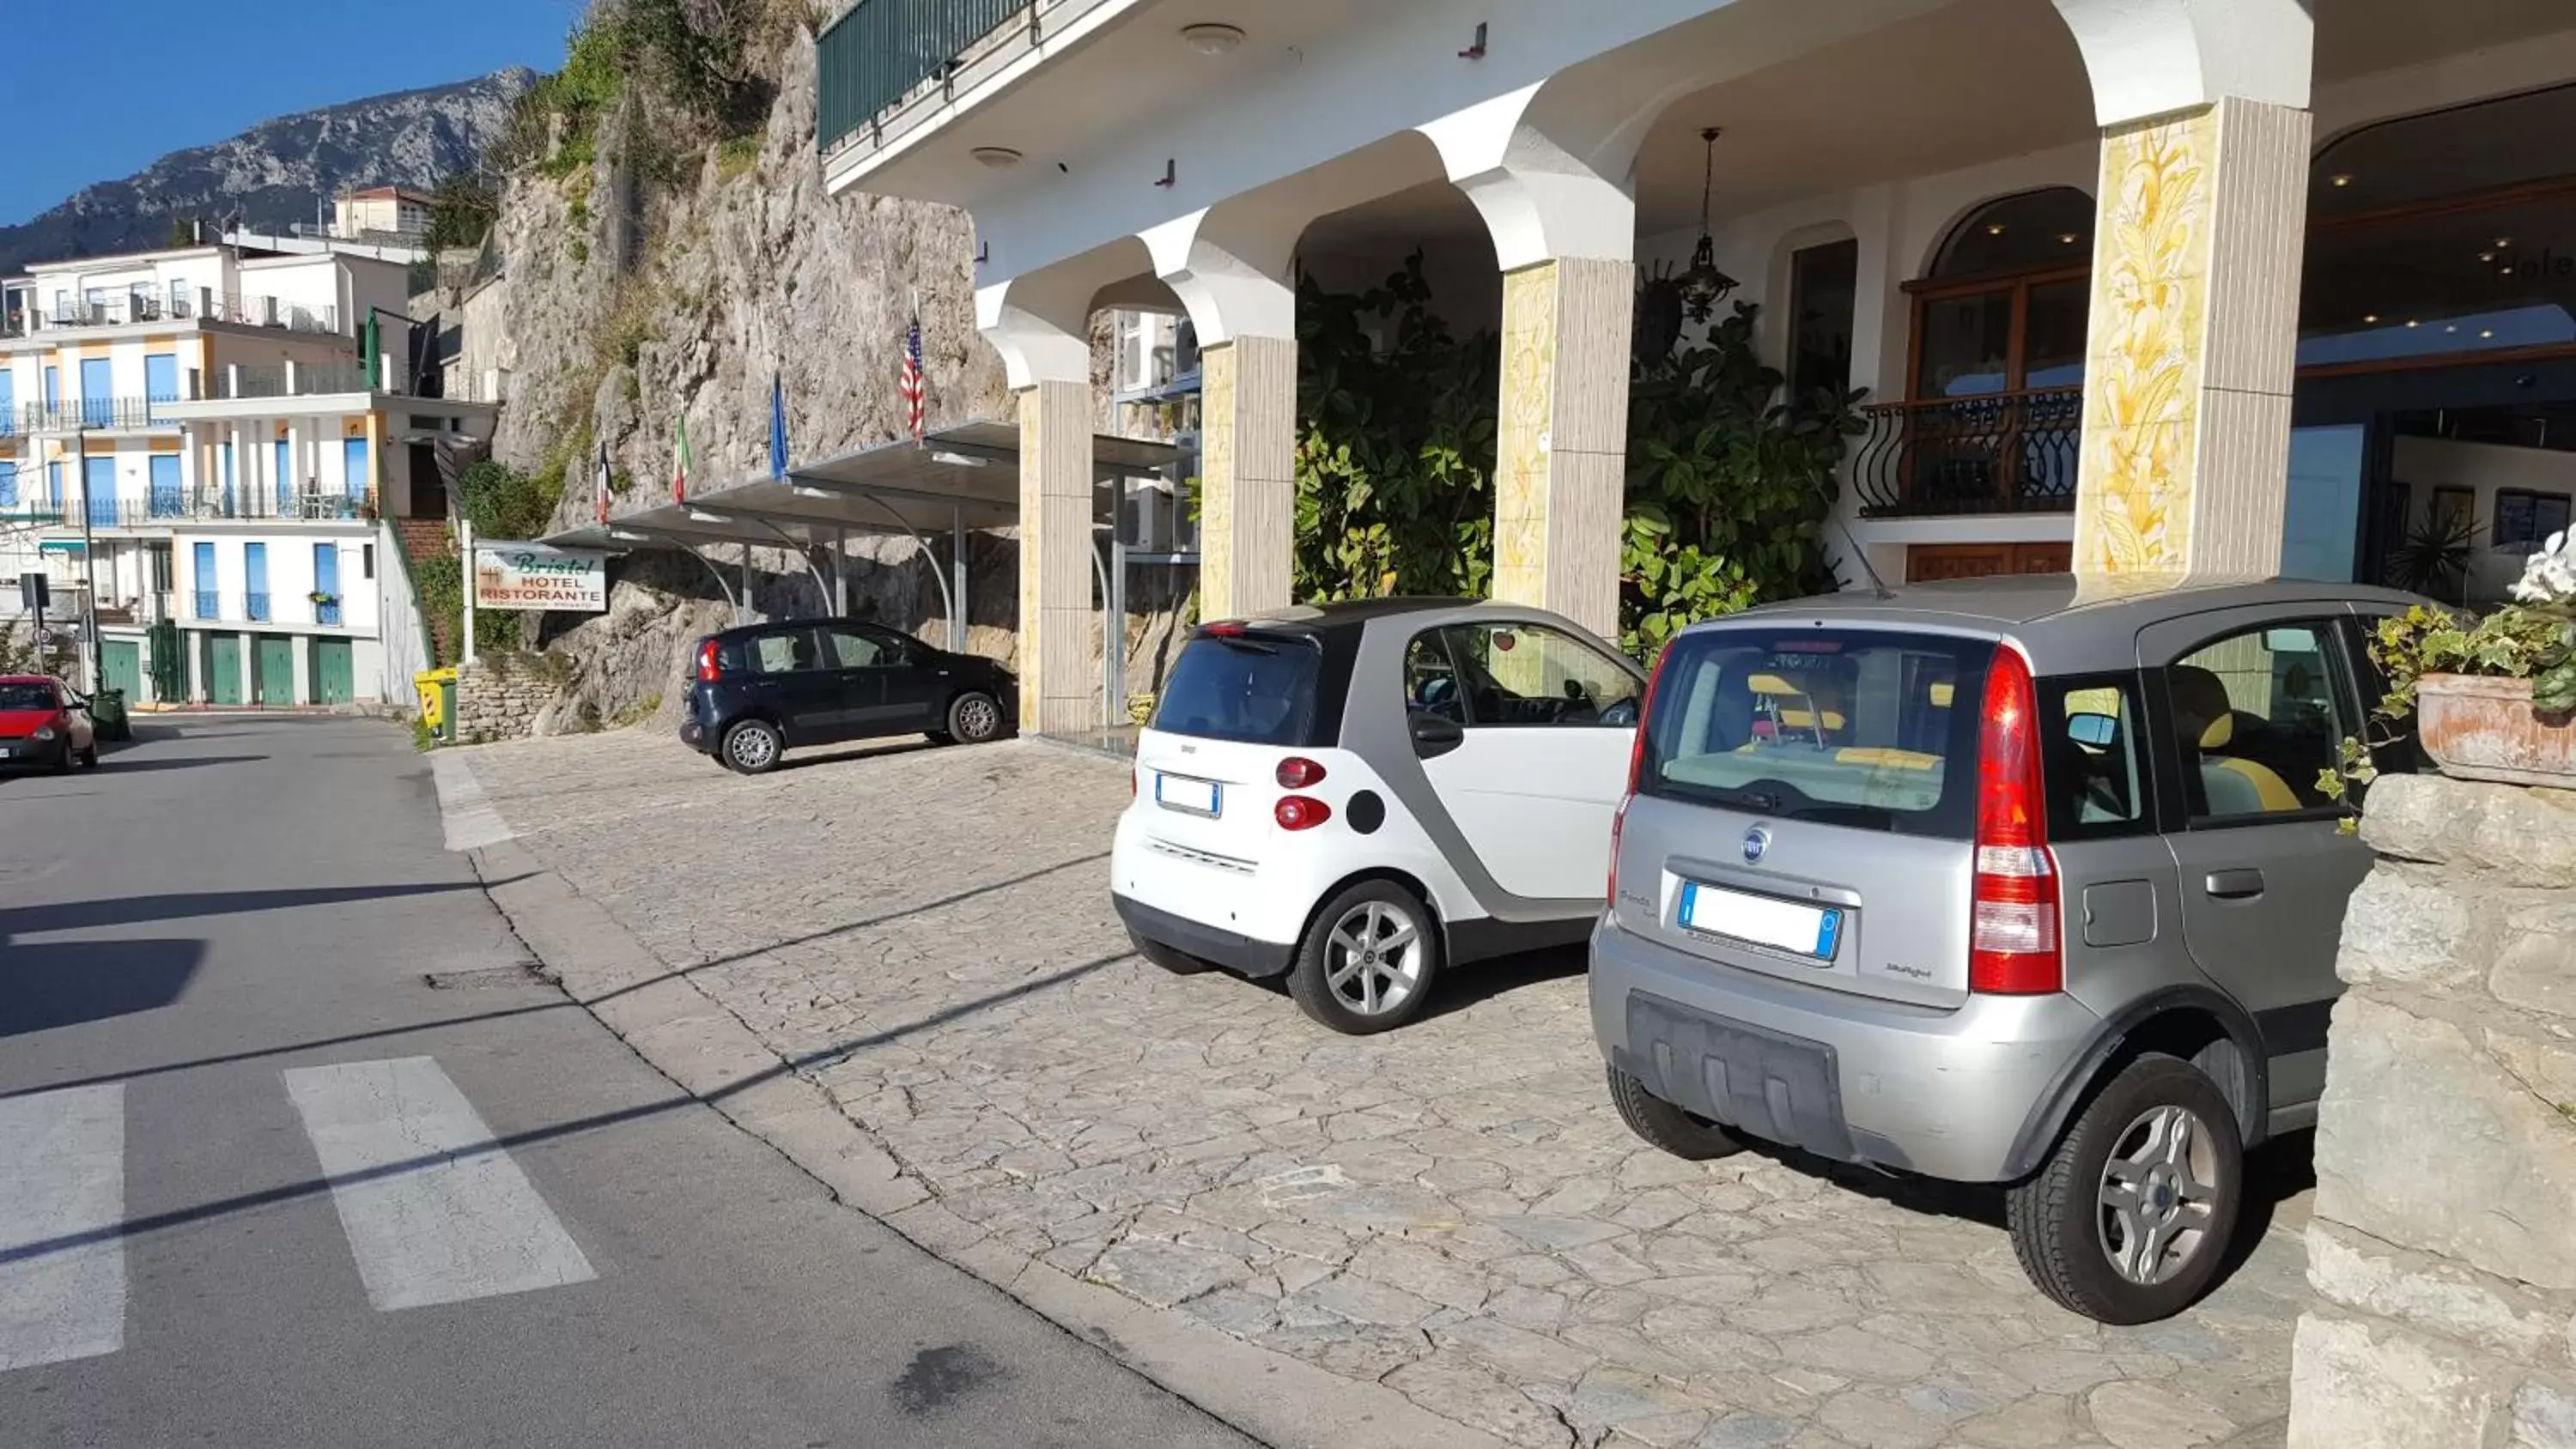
(2134, 285)
(207, 436)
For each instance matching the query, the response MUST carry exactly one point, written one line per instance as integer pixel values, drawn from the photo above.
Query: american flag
(911, 380)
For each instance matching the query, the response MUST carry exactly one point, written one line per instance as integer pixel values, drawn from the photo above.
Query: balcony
(210, 605)
(169, 508)
(293, 611)
(255, 607)
(1997, 453)
(205, 304)
(237, 383)
(91, 415)
(887, 66)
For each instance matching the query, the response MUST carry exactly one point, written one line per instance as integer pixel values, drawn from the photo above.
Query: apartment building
(206, 450)
(2133, 286)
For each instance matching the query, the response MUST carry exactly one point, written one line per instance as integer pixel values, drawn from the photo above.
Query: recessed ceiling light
(1212, 38)
(2503, 241)
(1994, 228)
(2069, 238)
(1000, 158)
(2486, 332)
(2411, 322)
(2372, 318)
(2341, 178)
(2486, 256)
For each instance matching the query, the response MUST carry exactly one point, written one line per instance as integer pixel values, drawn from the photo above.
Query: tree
(461, 209)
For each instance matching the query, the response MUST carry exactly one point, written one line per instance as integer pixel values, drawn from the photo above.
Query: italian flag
(680, 476)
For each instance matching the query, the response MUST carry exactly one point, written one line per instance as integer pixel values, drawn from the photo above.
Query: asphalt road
(262, 1184)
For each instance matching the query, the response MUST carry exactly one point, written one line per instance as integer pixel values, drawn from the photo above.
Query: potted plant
(321, 600)
(2492, 698)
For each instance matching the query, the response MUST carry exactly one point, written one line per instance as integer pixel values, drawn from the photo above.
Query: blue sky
(185, 73)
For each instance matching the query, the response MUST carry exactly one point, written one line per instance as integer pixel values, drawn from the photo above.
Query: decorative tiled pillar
(1059, 692)
(1560, 478)
(1247, 476)
(2194, 335)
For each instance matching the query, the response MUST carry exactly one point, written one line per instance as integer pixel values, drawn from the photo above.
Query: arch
(1040, 322)
(1782, 325)
(2017, 232)
(2444, 151)
(2152, 57)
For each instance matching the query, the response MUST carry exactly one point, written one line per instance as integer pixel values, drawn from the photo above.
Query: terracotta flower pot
(2485, 729)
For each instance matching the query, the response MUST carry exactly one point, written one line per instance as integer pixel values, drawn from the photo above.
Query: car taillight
(1636, 770)
(2014, 948)
(1300, 812)
(1299, 773)
(707, 660)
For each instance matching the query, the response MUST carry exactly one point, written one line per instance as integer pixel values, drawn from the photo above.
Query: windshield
(27, 696)
(1253, 689)
(1843, 727)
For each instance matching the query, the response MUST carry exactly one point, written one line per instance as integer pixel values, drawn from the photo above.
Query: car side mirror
(1434, 735)
(2100, 731)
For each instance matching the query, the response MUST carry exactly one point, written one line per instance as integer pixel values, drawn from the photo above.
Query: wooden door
(273, 671)
(1930, 563)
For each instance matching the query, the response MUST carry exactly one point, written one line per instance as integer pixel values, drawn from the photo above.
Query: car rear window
(1871, 730)
(1254, 689)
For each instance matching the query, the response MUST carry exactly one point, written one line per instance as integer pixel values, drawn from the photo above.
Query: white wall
(402, 648)
(2424, 464)
(290, 574)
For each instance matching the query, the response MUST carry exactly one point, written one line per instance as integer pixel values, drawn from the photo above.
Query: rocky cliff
(626, 300)
(274, 174)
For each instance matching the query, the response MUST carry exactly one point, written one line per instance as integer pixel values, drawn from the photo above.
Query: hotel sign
(533, 576)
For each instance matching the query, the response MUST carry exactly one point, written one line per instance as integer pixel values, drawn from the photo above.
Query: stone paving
(1451, 1209)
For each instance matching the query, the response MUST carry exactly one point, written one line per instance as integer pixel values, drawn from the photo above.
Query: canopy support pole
(957, 620)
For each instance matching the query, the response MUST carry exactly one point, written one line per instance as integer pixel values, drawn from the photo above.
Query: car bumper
(27, 754)
(1942, 1093)
(1237, 953)
(697, 736)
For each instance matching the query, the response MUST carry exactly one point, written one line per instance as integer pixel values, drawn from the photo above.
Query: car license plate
(1812, 931)
(1194, 797)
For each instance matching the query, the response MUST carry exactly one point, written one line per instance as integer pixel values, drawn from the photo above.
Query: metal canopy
(956, 479)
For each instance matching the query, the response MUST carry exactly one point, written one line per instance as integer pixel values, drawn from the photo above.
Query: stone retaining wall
(498, 696)
(2443, 1249)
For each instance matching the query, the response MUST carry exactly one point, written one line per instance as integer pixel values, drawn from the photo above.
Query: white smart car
(1359, 795)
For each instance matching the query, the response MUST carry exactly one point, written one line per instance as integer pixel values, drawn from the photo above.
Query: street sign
(532, 576)
(34, 593)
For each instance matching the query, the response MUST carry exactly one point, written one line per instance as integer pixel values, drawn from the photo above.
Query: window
(367, 561)
(785, 651)
(8, 485)
(1509, 675)
(1846, 727)
(847, 648)
(2005, 306)
(255, 581)
(2255, 720)
(1431, 679)
(1256, 689)
(180, 305)
(2525, 519)
(1823, 284)
(2097, 780)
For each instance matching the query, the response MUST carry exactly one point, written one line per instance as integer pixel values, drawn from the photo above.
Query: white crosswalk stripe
(62, 1203)
(434, 1210)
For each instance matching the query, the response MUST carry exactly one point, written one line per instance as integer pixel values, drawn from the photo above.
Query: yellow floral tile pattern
(2133, 509)
(1217, 387)
(1530, 298)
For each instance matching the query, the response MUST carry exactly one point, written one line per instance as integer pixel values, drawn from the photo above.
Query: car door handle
(2234, 885)
(1434, 736)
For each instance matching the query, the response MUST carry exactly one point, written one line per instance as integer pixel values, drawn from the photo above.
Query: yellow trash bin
(438, 702)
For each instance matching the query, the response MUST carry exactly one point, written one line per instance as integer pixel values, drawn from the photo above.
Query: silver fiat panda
(1995, 882)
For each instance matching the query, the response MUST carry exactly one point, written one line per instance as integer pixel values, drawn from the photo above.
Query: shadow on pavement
(58, 985)
(115, 762)
(119, 911)
(846, 756)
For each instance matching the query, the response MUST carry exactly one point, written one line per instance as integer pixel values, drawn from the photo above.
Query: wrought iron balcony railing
(2009, 452)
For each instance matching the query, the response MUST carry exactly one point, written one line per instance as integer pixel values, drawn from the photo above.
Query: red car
(42, 723)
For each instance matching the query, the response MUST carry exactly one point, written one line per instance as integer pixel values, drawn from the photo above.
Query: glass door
(2321, 518)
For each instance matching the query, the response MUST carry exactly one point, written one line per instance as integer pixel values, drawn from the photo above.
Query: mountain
(275, 173)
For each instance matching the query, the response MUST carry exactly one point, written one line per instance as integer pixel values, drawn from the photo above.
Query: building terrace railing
(299, 381)
(232, 307)
(170, 507)
(2009, 452)
(885, 63)
(90, 414)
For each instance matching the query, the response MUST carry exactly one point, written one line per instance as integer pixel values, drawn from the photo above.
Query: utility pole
(89, 558)
(465, 546)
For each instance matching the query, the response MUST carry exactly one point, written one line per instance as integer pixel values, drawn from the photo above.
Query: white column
(1046, 355)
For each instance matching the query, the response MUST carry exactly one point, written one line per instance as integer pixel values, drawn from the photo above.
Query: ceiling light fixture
(2370, 319)
(2069, 238)
(2341, 178)
(1000, 158)
(2502, 242)
(2486, 332)
(1994, 228)
(2411, 322)
(1212, 38)
(1703, 285)
(2486, 256)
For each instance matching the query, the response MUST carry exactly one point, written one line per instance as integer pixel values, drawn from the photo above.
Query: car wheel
(753, 747)
(1179, 963)
(1368, 962)
(974, 718)
(2130, 1219)
(1664, 1125)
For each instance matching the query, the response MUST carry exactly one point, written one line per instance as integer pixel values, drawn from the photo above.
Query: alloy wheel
(752, 749)
(978, 718)
(1374, 958)
(2158, 1194)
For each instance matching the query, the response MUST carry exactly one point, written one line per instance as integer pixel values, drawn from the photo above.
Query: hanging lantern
(1703, 285)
